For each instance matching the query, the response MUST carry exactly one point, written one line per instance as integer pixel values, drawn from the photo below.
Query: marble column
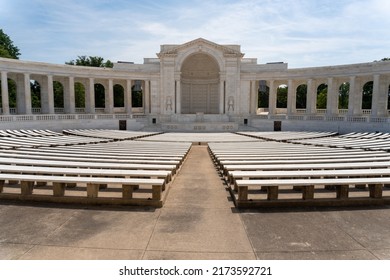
(109, 98)
(178, 97)
(128, 101)
(379, 97)
(146, 98)
(4, 93)
(311, 97)
(291, 97)
(26, 109)
(222, 96)
(90, 97)
(69, 97)
(331, 98)
(253, 100)
(272, 98)
(351, 95)
(50, 95)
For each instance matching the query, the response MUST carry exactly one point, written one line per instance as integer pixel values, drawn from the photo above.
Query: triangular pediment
(231, 50)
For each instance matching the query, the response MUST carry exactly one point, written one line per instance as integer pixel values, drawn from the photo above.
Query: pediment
(227, 50)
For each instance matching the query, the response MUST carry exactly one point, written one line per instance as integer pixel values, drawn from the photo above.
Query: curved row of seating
(368, 141)
(270, 173)
(110, 134)
(287, 135)
(106, 172)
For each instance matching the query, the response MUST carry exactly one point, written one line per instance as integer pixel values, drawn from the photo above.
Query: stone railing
(336, 118)
(43, 117)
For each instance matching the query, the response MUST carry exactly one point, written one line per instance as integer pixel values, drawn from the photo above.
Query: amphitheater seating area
(262, 169)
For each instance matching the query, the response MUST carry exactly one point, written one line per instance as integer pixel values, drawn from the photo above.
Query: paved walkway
(198, 221)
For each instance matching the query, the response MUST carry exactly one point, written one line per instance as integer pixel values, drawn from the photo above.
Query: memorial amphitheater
(211, 162)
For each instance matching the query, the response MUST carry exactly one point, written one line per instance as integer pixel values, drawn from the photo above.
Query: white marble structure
(201, 85)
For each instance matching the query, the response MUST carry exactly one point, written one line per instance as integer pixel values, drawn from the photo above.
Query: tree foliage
(7, 47)
(91, 61)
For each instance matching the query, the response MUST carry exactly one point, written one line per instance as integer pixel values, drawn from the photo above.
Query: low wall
(320, 125)
(61, 122)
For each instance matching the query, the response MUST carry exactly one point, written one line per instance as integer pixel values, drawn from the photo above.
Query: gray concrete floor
(198, 221)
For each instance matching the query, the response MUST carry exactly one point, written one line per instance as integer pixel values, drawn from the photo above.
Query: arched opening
(11, 95)
(200, 85)
(35, 96)
(322, 92)
(301, 96)
(263, 97)
(388, 98)
(343, 97)
(119, 96)
(281, 96)
(136, 94)
(79, 97)
(100, 99)
(367, 95)
(58, 91)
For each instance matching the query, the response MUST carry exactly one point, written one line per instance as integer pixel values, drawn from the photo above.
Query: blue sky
(303, 33)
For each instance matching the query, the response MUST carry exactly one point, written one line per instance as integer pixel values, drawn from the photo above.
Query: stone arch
(79, 96)
(137, 94)
(196, 49)
(281, 96)
(263, 95)
(367, 91)
(322, 92)
(200, 80)
(58, 91)
(12, 100)
(388, 97)
(36, 96)
(100, 98)
(119, 95)
(301, 96)
(343, 99)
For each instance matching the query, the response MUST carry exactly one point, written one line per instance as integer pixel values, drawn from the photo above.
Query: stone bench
(314, 166)
(35, 170)
(308, 186)
(128, 185)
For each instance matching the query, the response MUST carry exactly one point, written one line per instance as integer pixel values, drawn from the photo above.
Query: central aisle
(198, 221)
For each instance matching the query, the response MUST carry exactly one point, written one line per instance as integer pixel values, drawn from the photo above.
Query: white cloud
(300, 32)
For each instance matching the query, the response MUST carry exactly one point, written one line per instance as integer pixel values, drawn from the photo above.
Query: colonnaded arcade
(200, 85)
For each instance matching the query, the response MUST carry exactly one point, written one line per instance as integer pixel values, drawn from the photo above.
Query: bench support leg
(26, 187)
(127, 191)
(342, 191)
(243, 193)
(375, 190)
(58, 189)
(308, 192)
(272, 192)
(1, 185)
(157, 191)
(92, 190)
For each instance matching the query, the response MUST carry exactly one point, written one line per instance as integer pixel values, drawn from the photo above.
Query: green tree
(322, 92)
(9, 50)
(91, 61)
(301, 97)
(343, 96)
(7, 47)
(281, 93)
(368, 89)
